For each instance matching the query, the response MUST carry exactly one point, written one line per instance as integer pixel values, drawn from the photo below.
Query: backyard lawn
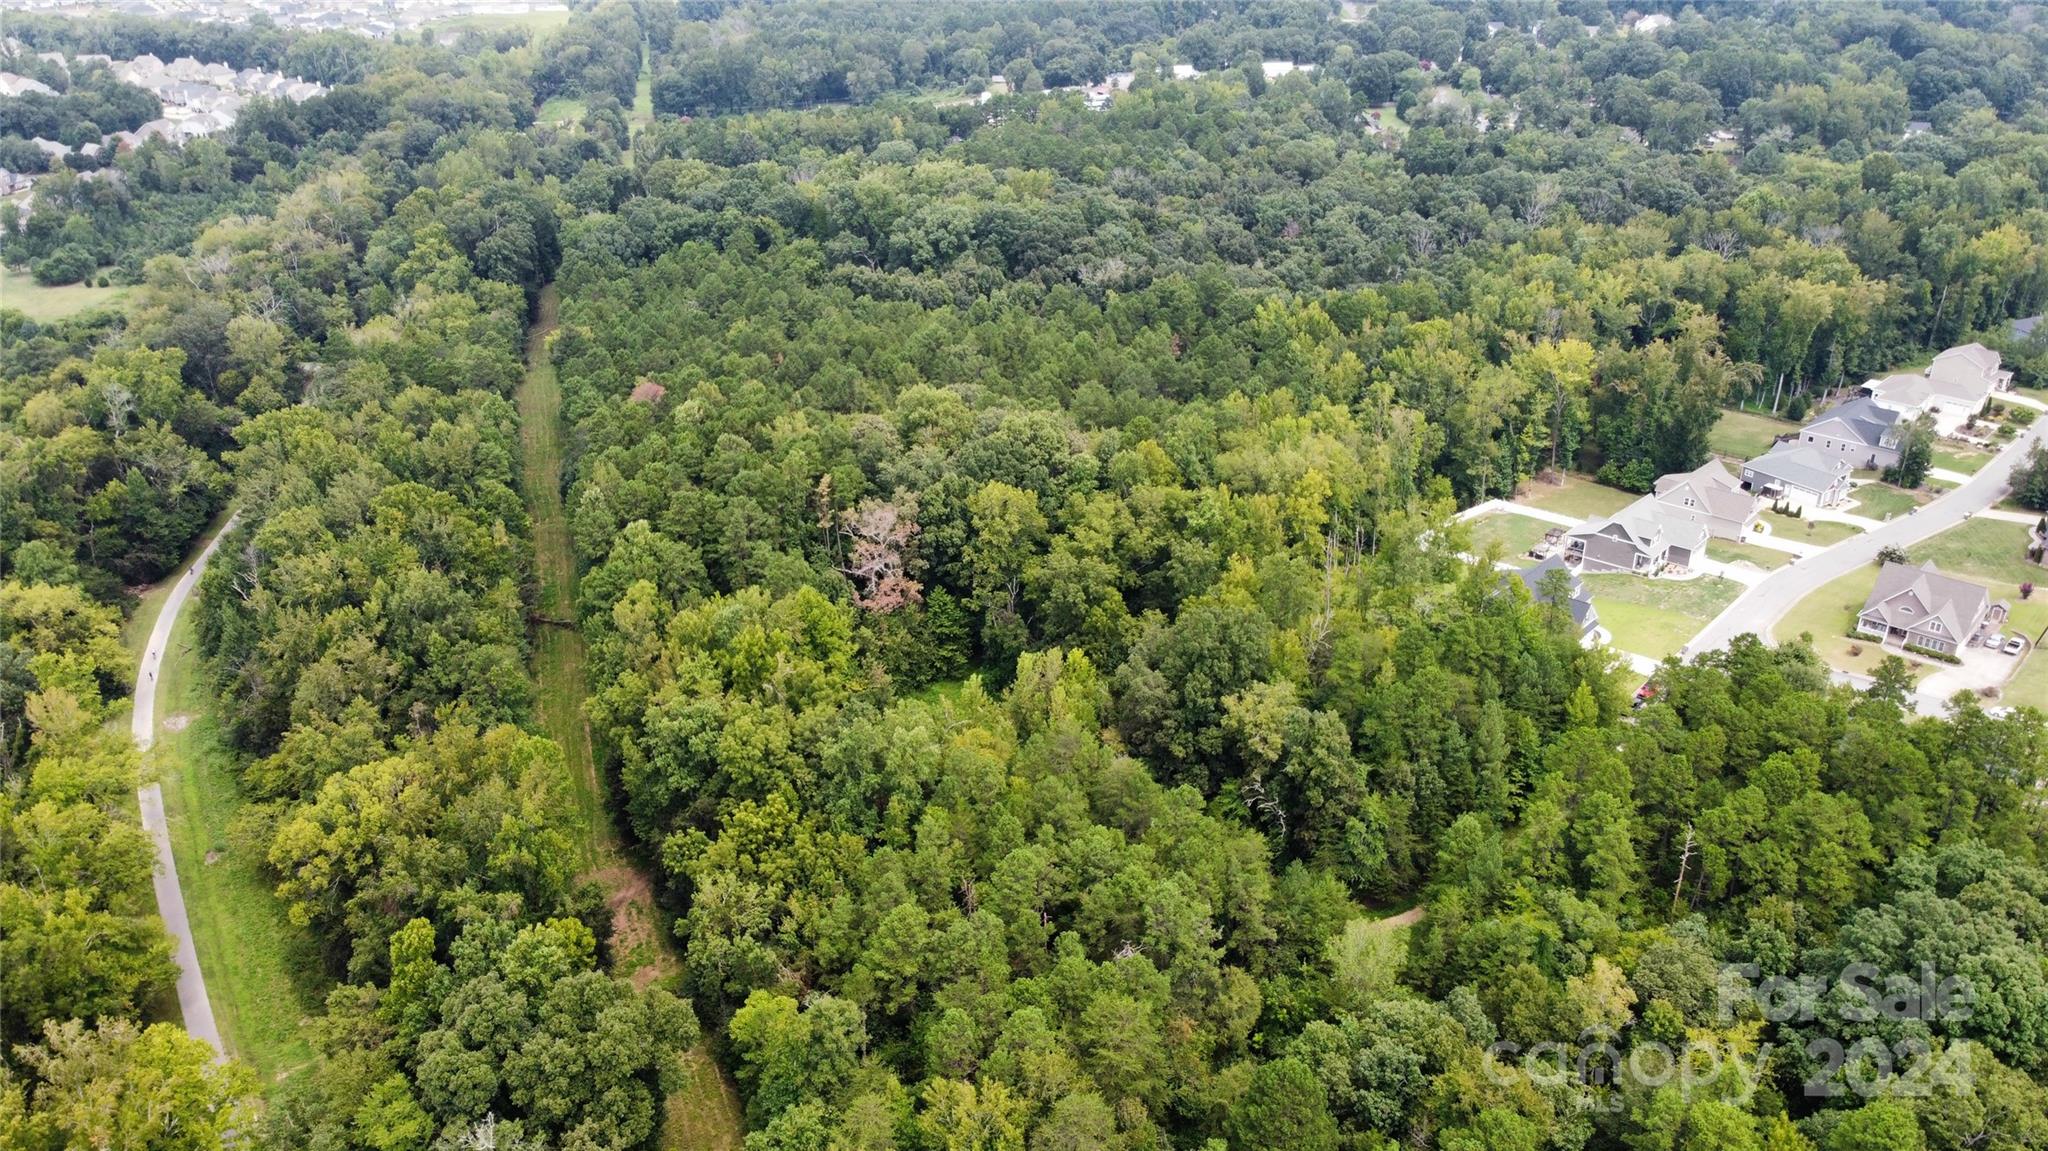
(1822, 533)
(1882, 501)
(1515, 534)
(1827, 615)
(1576, 496)
(1728, 551)
(1655, 617)
(19, 290)
(1741, 435)
(2029, 686)
(1993, 553)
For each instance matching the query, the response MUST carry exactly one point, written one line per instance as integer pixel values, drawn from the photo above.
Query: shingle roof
(1906, 597)
(1800, 465)
(1581, 603)
(1861, 419)
(1716, 490)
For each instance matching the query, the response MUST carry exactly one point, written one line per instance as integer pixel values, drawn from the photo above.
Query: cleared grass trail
(705, 1114)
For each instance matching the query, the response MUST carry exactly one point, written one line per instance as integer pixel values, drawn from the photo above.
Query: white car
(2015, 645)
(1994, 641)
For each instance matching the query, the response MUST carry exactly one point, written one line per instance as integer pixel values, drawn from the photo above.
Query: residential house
(1642, 537)
(1951, 390)
(1710, 497)
(1799, 472)
(1579, 601)
(1652, 24)
(1859, 431)
(1920, 607)
(2023, 329)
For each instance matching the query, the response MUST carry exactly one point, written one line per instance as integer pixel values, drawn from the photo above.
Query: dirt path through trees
(706, 1112)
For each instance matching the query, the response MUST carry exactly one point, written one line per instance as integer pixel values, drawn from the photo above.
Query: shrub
(1930, 653)
(69, 264)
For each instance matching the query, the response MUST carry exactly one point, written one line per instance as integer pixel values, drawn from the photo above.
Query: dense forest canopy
(1030, 659)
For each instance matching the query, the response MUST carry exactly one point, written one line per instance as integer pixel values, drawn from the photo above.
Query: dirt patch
(212, 857)
(177, 722)
(1407, 918)
(637, 945)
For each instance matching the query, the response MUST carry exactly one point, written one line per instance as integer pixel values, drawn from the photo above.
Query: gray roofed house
(1801, 472)
(1860, 431)
(1581, 602)
(1711, 497)
(1920, 607)
(1951, 390)
(2024, 328)
(1642, 537)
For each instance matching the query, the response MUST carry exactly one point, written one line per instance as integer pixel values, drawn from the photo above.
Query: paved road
(1765, 603)
(170, 899)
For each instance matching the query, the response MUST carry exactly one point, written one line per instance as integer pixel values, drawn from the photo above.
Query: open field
(1741, 435)
(262, 973)
(1515, 534)
(1728, 551)
(537, 23)
(1577, 496)
(1881, 501)
(19, 290)
(1654, 617)
(1827, 614)
(1818, 532)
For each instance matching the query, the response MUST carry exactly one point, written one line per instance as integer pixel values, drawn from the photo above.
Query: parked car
(1995, 640)
(1645, 694)
(2016, 645)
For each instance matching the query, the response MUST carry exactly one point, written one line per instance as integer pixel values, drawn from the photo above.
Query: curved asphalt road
(1767, 601)
(170, 899)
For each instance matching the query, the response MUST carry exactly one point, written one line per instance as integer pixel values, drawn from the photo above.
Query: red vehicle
(1645, 694)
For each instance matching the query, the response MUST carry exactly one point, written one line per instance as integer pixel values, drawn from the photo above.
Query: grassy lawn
(1993, 553)
(1728, 551)
(263, 974)
(1577, 496)
(1827, 614)
(1819, 532)
(1656, 617)
(1880, 501)
(2029, 686)
(1957, 458)
(1515, 534)
(561, 110)
(1742, 435)
(18, 290)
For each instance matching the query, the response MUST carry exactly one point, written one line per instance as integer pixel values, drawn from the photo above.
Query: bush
(1930, 653)
(1892, 554)
(69, 264)
(2020, 417)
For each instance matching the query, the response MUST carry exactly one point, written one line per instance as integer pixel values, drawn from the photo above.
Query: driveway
(1767, 601)
(170, 898)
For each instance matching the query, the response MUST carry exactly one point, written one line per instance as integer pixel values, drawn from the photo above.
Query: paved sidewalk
(2009, 516)
(193, 1002)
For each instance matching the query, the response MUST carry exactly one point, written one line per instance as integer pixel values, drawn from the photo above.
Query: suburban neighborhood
(1779, 541)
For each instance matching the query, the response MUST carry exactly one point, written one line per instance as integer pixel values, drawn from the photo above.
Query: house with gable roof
(1921, 607)
(1711, 497)
(1861, 431)
(1642, 537)
(1800, 472)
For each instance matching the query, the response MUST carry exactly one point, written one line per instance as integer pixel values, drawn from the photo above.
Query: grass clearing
(1993, 553)
(1655, 617)
(1742, 435)
(263, 974)
(1515, 534)
(538, 23)
(1881, 501)
(1827, 614)
(562, 110)
(1958, 458)
(1576, 496)
(705, 1111)
(1822, 533)
(45, 304)
(1728, 551)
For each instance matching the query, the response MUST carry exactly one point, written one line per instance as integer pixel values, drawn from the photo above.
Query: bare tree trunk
(1936, 325)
